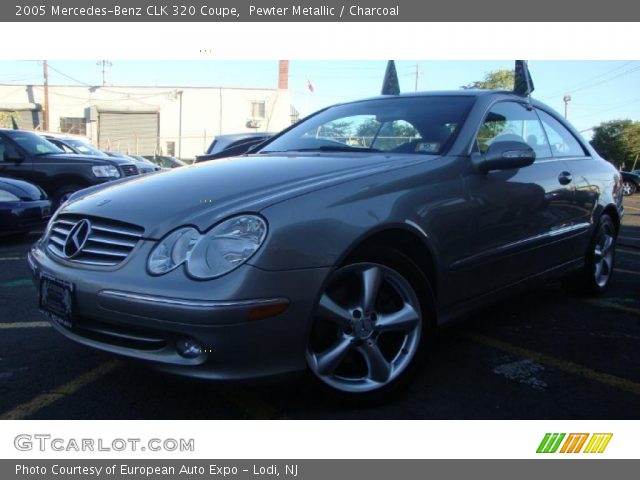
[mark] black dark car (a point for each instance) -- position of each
(165, 161)
(23, 207)
(230, 145)
(630, 183)
(28, 156)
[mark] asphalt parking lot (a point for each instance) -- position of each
(546, 354)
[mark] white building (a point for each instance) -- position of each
(172, 120)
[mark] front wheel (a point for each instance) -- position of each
(369, 326)
(63, 194)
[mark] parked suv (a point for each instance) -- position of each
(28, 156)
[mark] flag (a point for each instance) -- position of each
(310, 86)
(522, 83)
(14, 124)
(390, 85)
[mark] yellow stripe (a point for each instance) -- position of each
(29, 408)
(607, 439)
(8, 326)
(564, 365)
(599, 439)
(623, 308)
(587, 449)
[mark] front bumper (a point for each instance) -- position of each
(128, 312)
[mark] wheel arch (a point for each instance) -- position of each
(404, 237)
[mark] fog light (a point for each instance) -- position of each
(188, 348)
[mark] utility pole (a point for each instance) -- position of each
(566, 99)
(417, 75)
(104, 64)
(45, 117)
(180, 92)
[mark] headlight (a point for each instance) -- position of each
(222, 249)
(105, 171)
(8, 197)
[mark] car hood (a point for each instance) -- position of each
(203, 194)
(23, 190)
(94, 159)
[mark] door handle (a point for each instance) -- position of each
(565, 178)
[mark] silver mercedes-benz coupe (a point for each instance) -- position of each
(339, 246)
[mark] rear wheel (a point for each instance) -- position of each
(628, 188)
(370, 326)
(595, 277)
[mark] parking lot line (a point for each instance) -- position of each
(631, 208)
(7, 326)
(554, 362)
(11, 259)
(41, 401)
(606, 304)
(627, 251)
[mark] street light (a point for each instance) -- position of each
(567, 99)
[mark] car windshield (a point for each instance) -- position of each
(84, 147)
(418, 125)
(32, 143)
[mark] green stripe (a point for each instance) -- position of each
(17, 283)
(543, 443)
(558, 442)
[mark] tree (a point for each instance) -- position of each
(617, 141)
(5, 120)
(494, 80)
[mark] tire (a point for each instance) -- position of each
(371, 327)
(594, 278)
(628, 188)
(62, 194)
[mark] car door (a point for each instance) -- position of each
(585, 173)
(13, 162)
(517, 213)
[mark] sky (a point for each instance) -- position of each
(599, 90)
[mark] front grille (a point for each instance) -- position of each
(129, 170)
(108, 244)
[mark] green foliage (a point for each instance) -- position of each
(617, 141)
(495, 80)
(5, 120)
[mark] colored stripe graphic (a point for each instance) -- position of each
(550, 442)
(574, 442)
(598, 442)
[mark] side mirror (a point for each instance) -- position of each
(504, 155)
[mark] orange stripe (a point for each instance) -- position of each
(566, 443)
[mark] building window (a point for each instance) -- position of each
(257, 109)
(73, 125)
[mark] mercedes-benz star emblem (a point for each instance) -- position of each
(76, 238)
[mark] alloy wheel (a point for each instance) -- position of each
(603, 254)
(367, 328)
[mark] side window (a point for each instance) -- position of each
(563, 143)
(7, 150)
(511, 121)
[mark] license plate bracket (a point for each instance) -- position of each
(56, 300)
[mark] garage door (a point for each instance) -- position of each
(135, 133)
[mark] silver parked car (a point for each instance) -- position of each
(339, 246)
